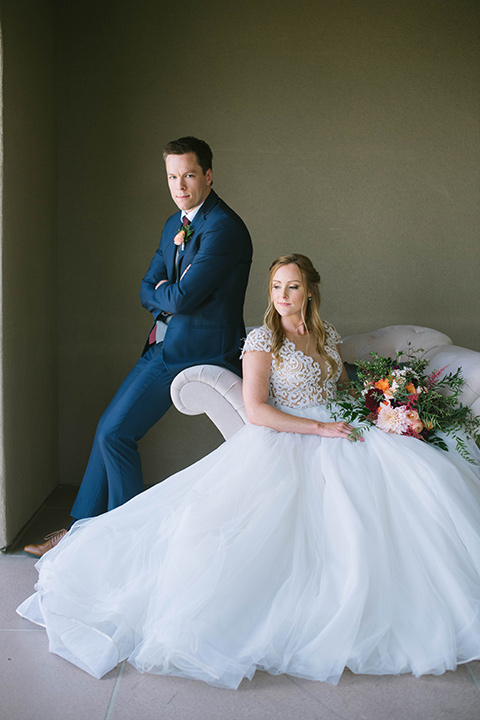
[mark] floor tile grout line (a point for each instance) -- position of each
(473, 678)
(315, 697)
(111, 704)
(22, 630)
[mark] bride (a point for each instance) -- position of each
(288, 549)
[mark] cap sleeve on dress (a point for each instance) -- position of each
(332, 336)
(258, 339)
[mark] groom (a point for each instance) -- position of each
(195, 289)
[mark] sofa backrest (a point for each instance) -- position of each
(436, 347)
(389, 340)
(451, 357)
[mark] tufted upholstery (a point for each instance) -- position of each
(452, 357)
(217, 392)
(389, 340)
(212, 390)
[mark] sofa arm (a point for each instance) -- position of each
(212, 390)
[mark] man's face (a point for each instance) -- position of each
(188, 185)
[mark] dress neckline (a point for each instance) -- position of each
(297, 350)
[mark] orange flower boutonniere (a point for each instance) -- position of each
(183, 235)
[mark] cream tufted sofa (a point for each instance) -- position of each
(217, 392)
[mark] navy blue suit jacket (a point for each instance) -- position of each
(207, 303)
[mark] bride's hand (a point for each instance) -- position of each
(335, 429)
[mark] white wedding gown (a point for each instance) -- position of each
(278, 551)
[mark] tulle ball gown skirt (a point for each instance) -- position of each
(281, 552)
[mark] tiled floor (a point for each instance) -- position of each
(35, 685)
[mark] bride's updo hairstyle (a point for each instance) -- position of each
(310, 310)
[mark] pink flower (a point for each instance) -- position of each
(393, 420)
(433, 377)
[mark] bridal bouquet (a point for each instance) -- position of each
(396, 395)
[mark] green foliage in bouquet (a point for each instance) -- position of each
(396, 395)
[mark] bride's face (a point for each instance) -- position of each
(288, 291)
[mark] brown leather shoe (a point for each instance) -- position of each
(51, 540)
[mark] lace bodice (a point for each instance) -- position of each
(298, 380)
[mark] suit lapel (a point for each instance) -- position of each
(202, 214)
(197, 224)
(171, 248)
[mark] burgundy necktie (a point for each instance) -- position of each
(153, 335)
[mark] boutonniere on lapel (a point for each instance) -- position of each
(183, 235)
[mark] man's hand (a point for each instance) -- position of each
(183, 275)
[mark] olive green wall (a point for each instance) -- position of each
(342, 129)
(345, 130)
(29, 273)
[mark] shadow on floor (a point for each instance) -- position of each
(53, 515)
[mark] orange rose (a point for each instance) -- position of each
(382, 385)
(179, 237)
(417, 426)
(410, 388)
(428, 424)
(415, 422)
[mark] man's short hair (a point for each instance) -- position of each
(191, 144)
